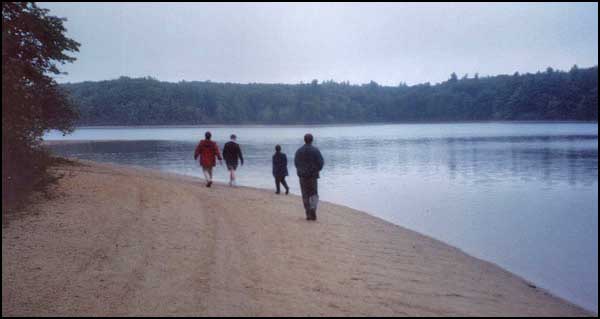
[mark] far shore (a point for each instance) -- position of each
(68, 142)
(116, 240)
(327, 124)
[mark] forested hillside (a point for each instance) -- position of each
(548, 95)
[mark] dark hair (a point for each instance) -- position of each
(308, 138)
(207, 135)
(233, 137)
(277, 148)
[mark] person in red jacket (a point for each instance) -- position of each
(207, 150)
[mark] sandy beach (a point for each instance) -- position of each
(123, 241)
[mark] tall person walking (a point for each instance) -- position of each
(309, 162)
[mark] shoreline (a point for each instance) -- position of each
(256, 256)
(254, 125)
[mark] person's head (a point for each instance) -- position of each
(277, 148)
(233, 137)
(308, 138)
(207, 135)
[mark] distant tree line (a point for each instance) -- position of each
(549, 95)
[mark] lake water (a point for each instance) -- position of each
(521, 195)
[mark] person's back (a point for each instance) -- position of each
(207, 150)
(232, 152)
(280, 165)
(308, 161)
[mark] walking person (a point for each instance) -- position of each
(207, 150)
(280, 170)
(231, 153)
(309, 162)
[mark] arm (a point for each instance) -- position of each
(217, 152)
(225, 151)
(320, 160)
(296, 159)
(240, 154)
(197, 151)
(284, 160)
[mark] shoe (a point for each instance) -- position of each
(287, 191)
(277, 193)
(208, 184)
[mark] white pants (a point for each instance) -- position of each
(207, 173)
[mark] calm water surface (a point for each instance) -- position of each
(521, 195)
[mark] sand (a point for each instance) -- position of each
(124, 241)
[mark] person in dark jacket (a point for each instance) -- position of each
(207, 150)
(231, 153)
(280, 170)
(309, 162)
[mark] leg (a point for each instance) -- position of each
(287, 188)
(277, 181)
(206, 175)
(231, 176)
(313, 198)
(210, 169)
(305, 189)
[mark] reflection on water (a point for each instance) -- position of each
(523, 196)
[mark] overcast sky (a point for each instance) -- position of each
(288, 43)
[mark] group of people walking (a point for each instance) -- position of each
(308, 161)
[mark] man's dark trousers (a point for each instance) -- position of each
(310, 196)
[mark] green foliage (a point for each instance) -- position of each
(552, 95)
(32, 102)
